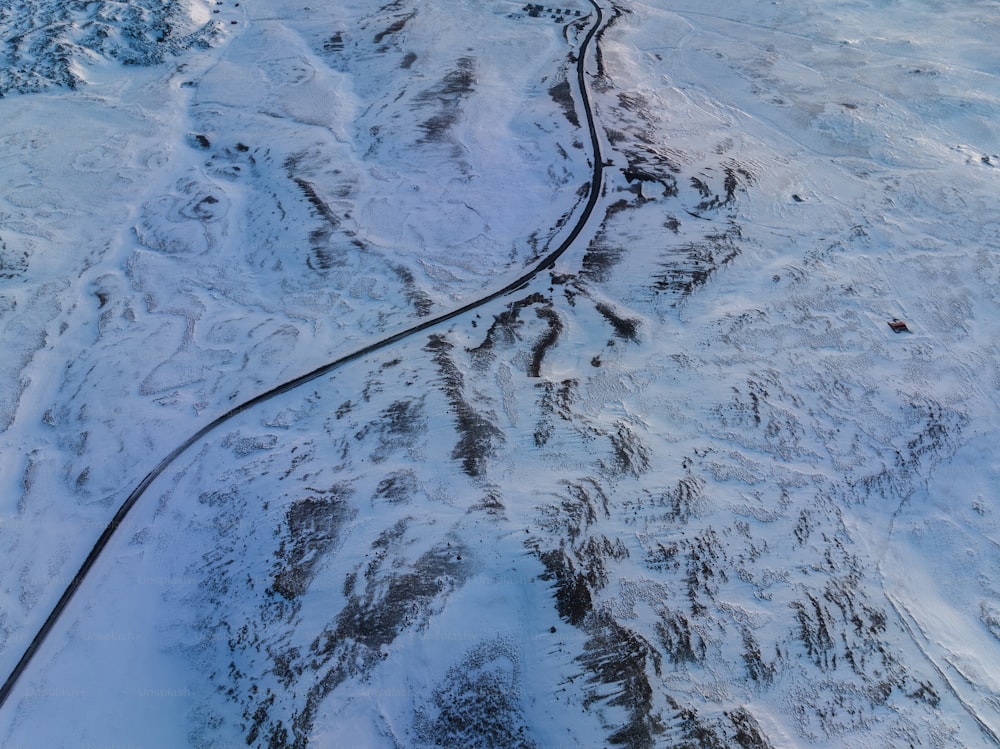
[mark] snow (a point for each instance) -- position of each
(685, 486)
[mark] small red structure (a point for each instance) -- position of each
(898, 326)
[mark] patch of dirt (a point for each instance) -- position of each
(682, 270)
(477, 705)
(478, 434)
(562, 95)
(447, 97)
(394, 28)
(313, 527)
(625, 328)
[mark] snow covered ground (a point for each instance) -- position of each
(687, 489)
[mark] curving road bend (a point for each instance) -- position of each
(544, 264)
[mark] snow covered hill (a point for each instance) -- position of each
(685, 489)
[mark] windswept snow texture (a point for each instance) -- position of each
(686, 489)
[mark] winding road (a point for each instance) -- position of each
(137, 493)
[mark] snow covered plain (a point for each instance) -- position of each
(686, 490)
